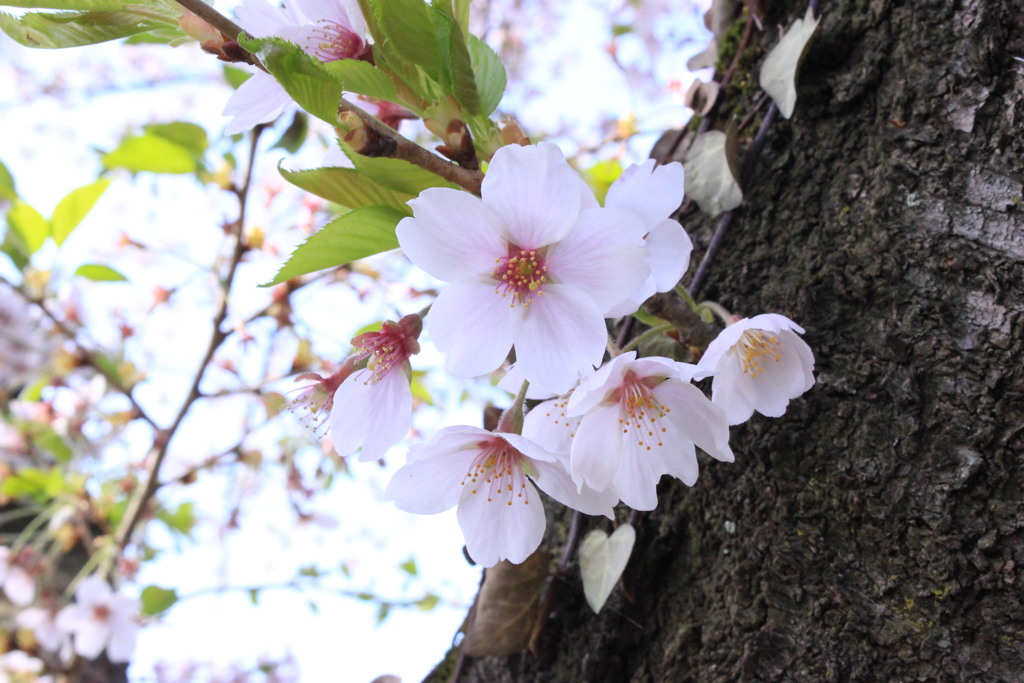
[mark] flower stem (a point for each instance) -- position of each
(636, 341)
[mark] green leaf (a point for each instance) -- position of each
(74, 207)
(347, 187)
(98, 273)
(181, 520)
(39, 485)
(34, 392)
(95, 5)
(457, 68)
(71, 29)
(156, 599)
(47, 439)
(361, 77)
(14, 251)
(28, 226)
(398, 174)
(355, 235)
(303, 77)
(235, 76)
(187, 135)
(152, 153)
(428, 602)
(491, 79)
(382, 611)
(410, 33)
(293, 137)
(409, 567)
(7, 190)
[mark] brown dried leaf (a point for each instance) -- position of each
(506, 608)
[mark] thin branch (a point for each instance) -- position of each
(138, 503)
(400, 147)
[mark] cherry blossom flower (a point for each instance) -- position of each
(17, 666)
(488, 475)
(16, 581)
(641, 419)
(43, 624)
(527, 267)
(372, 408)
(313, 402)
(759, 364)
(653, 193)
(326, 29)
(24, 346)
(101, 619)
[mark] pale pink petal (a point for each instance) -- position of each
(722, 344)
(90, 639)
(597, 387)
(261, 19)
(668, 247)
(597, 448)
(19, 586)
(697, 418)
(371, 415)
(73, 617)
(636, 481)
(496, 530)
(562, 337)
(330, 10)
(680, 461)
(764, 393)
(474, 326)
(93, 590)
(453, 236)
(260, 99)
(433, 479)
(535, 192)
(727, 392)
(603, 256)
(527, 447)
(123, 634)
(651, 195)
(554, 480)
(548, 425)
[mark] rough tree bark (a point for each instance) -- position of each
(874, 532)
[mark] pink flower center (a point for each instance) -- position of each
(497, 472)
(521, 275)
(101, 612)
(390, 347)
(335, 41)
(640, 413)
(754, 347)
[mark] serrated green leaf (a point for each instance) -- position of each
(156, 599)
(188, 135)
(84, 5)
(235, 76)
(70, 210)
(72, 29)
(491, 78)
(410, 33)
(357, 76)
(398, 174)
(7, 189)
(151, 153)
(304, 78)
(99, 273)
(347, 187)
(355, 235)
(29, 229)
(457, 76)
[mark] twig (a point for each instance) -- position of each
(227, 27)
(400, 147)
(137, 505)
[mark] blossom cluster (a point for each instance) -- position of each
(99, 620)
(534, 267)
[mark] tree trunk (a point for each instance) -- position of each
(873, 532)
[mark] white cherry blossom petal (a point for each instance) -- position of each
(603, 257)
(535, 192)
(496, 530)
(454, 236)
(652, 192)
(472, 328)
(371, 415)
(563, 337)
(597, 448)
(260, 99)
(553, 479)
